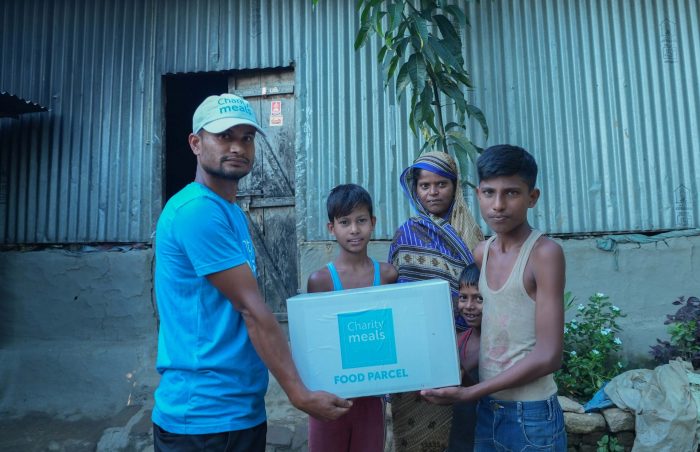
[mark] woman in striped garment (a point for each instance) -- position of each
(435, 243)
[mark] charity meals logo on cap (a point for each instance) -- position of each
(218, 113)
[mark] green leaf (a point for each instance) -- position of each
(476, 113)
(392, 67)
(463, 160)
(412, 122)
(457, 12)
(417, 72)
(452, 91)
(361, 38)
(427, 7)
(449, 33)
(453, 125)
(395, 12)
(427, 113)
(378, 22)
(403, 79)
(364, 15)
(401, 46)
(420, 30)
(382, 54)
(464, 78)
(465, 144)
(447, 56)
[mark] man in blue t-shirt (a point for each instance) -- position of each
(217, 336)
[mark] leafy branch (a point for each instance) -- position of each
(422, 48)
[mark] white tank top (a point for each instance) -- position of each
(508, 328)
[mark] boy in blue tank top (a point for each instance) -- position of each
(351, 221)
(522, 284)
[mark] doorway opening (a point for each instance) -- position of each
(267, 195)
(183, 93)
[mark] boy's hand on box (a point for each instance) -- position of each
(324, 405)
(446, 396)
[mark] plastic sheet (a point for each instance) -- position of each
(664, 403)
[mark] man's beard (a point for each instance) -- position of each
(221, 172)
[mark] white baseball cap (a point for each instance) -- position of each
(218, 113)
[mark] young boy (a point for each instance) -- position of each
(522, 282)
(351, 221)
(469, 307)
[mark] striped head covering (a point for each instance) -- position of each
(460, 218)
(427, 246)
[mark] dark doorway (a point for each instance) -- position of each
(183, 93)
(267, 195)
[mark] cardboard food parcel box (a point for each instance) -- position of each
(375, 340)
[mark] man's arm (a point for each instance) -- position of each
(239, 285)
(545, 358)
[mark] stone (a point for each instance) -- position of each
(279, 436)
(619, 420)
(625, 439)
(587, 448)
(570, 405)
(301, 434)
(592, 439)
(584, 423)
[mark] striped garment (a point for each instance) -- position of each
(426, 246)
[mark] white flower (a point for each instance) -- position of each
(605, 331)
(573, 353)
(581, 307)
(618, 341)
(573, 326)
(566, 330)
(600, 295)
(595, 352)
(619, 364)
(615, 308)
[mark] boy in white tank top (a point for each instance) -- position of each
(522, 283)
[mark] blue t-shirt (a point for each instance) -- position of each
(212, 379)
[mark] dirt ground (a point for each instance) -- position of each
(130, 430)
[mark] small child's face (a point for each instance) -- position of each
(354, 230)
(504, 201)
(470, 305)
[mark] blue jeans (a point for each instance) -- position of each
(508, 426)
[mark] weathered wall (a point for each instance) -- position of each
(642, 279)
(77, 332)
(78, 329)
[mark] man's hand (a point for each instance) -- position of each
(323, 405)
(447, 396)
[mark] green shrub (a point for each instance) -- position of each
(684, 329)
(591, 346)
(609, 444)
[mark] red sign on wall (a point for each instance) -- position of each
(276, 108)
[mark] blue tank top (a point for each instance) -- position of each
(337, 285)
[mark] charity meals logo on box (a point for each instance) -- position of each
(367, 338)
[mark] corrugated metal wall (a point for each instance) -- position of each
(90, 169)
(604, 93)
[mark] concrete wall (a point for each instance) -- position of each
(77, 332)
(78, 329)
(642, 279)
